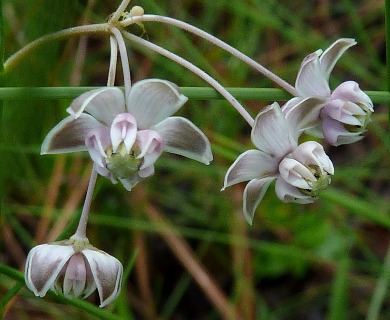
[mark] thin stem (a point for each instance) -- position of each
(82, 227)
(113, 61)
(215, 84)
(124, 59)
(387, 19)
(238, 54)
(118, 13)
(103, 28)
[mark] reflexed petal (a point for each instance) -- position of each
(336, 134)
(75, 276)
(253, 194)
(303, 114)
(350, 91)
(69, 135)
(97, 142)
(107, 272)
(311, 80)
(103, 104)
(146, 172)
(331, 55)
(272, 133)
(43, 265)
(295, 173)
(123, 129)
(182, 137)
(153, 100)
(252, 164)
(288, 193)
(151, 145)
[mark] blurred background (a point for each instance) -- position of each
(176, 229)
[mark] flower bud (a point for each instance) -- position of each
(74, 268)
(304, 173)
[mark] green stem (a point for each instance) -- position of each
(387, 19)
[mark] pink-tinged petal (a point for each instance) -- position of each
(69, 135)
(146, 172)
(272, 133)
(153, 100)
(151, 145)
(331, 55)
(103, 104)
(295, 173)
(107, 272)
(252, 164)
(288, 193)
(303, 114)
(344, 111)
(43, 265)
(123, 129)
(75, 278)
(350, 91)
(311, 80)
(182, 137)
(336, 134)
(253, 194)
(97, 142)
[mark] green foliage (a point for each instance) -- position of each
(327, 260)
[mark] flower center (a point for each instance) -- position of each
(321, 183)
(121, 163)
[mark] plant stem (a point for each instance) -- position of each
(118, 13)
(113, 61)
(124, 60)
(387, 20)
(82, 227)
(215, 84)
(103, 28)
(223, 45)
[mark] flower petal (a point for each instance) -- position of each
(75, 276)
(253, 194)
(252, 164)
(43, 265)
(123, 129)
(272, 133)
(153, 100)
(151, 145)
(350, 91)
(103, 104)
(303, 114)
(311, 80)
(331, 55)
(288, 193)
(182, 137)
(336, 134)
(295, 173)
(107, 272)
(69, 135)
(97, 142)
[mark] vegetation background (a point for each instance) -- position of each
(186, 249)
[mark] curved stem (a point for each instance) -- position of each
(103, 28)
(113, 61)
(118, 13)
(215, 84)
(82, 226)
(124, 59)
(223, 45)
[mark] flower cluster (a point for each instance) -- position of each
(126, 131)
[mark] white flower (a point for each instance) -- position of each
(74, 268)
(126, 135)
(340, 116)
(301, 171)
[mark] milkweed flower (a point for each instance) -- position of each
(74, 268)
(340, 116)
(125, 135)
(301, 171)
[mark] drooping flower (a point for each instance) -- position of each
(74, 268)
(126, 135)
(301, 171)
(340, 116)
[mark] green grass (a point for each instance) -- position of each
(328, 260)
